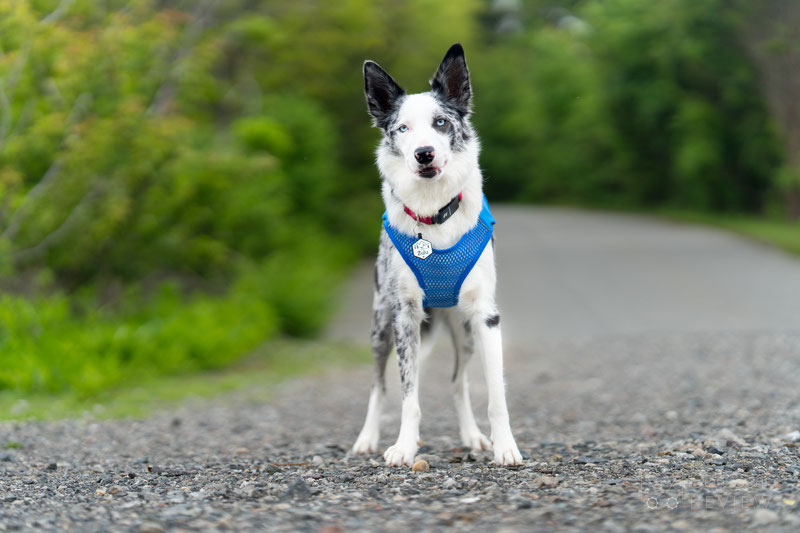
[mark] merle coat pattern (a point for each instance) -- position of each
(428, 155)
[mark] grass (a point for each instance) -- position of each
(782, 234)
(255, 376)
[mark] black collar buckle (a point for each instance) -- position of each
(447, 211)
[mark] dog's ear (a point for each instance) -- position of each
(382, 93)
(451, 80)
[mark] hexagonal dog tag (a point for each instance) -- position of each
(422, 249)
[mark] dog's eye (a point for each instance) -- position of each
(403, 128)
(441, 121)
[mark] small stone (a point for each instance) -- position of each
(764, 517)
(150, 527)
(792, 436)
(737, 483)
(449, 483)
(100, 492)
(731, 438)
(241, 451)
(52, 467)
(297, 489)
(250, 491)
(421, 466)
(317, 461)
(701, 453)
(6, 457)
(270, 469)
(545, 481)
(671, 415)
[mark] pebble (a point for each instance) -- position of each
(270, 469)
(151, 527)
(317, 461)
(792, 436)
(764, 517)
(545, 481)
(738, 483)
(421, 466)
(731, 438)
(297, 489)
(701, 453)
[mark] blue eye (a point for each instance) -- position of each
(403, 128)
(441, 122)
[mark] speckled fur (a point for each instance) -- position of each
(438, 119)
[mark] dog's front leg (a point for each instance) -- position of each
(490, 345)
(407, 321)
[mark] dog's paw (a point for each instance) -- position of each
(506, 453)
(475, 440)
(399, 455)
(366, 444)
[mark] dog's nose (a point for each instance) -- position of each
(424, 154)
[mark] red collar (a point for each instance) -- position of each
(442, 215)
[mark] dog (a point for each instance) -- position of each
(435, 266)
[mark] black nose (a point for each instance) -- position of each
(424, 154)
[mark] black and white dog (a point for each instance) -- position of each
(432, 189)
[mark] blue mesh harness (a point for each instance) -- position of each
(441, 274)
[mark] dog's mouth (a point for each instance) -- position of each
(428, 172)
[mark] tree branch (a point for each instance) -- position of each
(51, 239)
(56, 14)
(201, 18)
(79, 109)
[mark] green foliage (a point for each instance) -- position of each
(46, 346)
(627, 102)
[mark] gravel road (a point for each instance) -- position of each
(652, 374)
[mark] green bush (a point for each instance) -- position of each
(627, 102)
(45, 346)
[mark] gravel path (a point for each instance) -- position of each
(653, 378)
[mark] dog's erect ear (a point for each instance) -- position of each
(382, 93)
(451, 80)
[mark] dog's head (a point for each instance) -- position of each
(425, 134)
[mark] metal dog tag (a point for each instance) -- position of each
(422, 248)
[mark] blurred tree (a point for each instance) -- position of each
(625, 102)
(771, 29)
